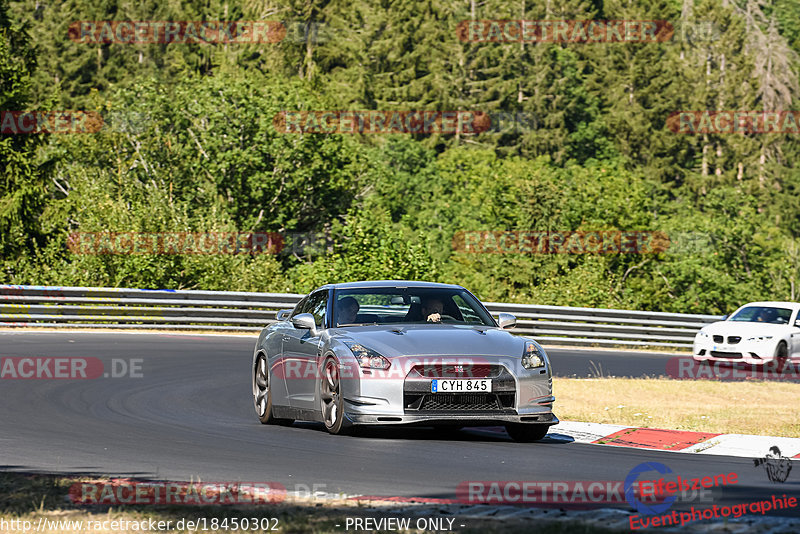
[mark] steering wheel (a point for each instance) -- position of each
(442, 318)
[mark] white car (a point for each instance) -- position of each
(757, 333)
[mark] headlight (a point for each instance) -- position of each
(702, 334)
(367, 358)
(759, 338)
(532, 357)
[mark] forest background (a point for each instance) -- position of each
(579, 142)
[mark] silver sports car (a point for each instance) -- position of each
(396, 352)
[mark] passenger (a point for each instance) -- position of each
(346, 311)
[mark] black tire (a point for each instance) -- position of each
(331, 402)
(526, 433)
(781, 356)
(262, 394)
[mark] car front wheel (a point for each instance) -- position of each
(781, 355)
(331, 401)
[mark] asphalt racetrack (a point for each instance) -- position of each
(187, 414)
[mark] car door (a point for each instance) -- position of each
(300, 349)
(274, 345)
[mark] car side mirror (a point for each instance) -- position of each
(725, 317)
(304, 321)
(282, 315)
(506, 320)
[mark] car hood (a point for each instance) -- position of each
(435, 340)
(744, 329)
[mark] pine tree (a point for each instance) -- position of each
(22, 184)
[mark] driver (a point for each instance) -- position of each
(771, 315)
(347, 309)
(432, 309)
(768, 315)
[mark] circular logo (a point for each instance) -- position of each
(630, 487)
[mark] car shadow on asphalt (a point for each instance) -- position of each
(494, 434)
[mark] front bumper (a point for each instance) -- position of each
(515, 397)
(748, 352)
(462, 419)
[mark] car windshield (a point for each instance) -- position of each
(763, 314)
(408, 305)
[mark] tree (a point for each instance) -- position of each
(22, 185)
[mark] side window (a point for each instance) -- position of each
(467, 313)
(317, 305)
(300, 308)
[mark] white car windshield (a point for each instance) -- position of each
(763, 314)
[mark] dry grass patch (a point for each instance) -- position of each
(41, 500)
(762, 408)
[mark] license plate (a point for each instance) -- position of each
(460, 385)
(723, 348)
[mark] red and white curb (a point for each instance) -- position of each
(740, 445)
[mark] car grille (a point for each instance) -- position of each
(466, 370)
(733, 340)
(460, 402)
(729, 355)
(719, 339)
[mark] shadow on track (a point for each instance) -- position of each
(492, 434)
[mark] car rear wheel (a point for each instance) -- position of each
(262, 394)
(526, 433)
(331, 398)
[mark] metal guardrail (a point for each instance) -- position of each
(92, 307)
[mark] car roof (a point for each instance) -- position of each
(388, 283)
(782, 304)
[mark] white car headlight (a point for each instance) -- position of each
(532, 356)
(702, 334)
(759, 338)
